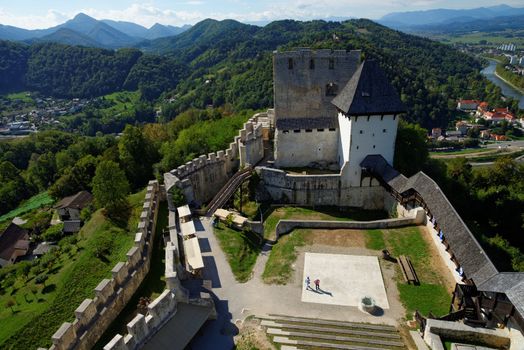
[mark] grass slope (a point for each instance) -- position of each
(32, 203)
(241, 249)
(72, 278)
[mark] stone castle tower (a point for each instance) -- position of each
(332, 111)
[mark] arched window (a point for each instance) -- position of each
(311, 64)
(290, 63)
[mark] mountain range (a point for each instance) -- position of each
(414, 19)
(87, 31)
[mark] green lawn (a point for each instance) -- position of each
(152, 286)
(241, 249)
(431, 294)
(32, 203)
(463, 151)
(278, 267)
(275, 214)
(22, 96)
(72, 272)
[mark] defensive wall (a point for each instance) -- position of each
(93, 316)
(201, 178)
(166, 306)
(414, 217)
(327, 189)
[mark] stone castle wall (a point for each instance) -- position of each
(93, 316)
(201, 178)
(328, 189)
(301, 78)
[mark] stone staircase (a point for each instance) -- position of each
(228, 190)
(306, 333)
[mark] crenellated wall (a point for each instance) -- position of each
(327, 189)
(201, 178)
(93, 316)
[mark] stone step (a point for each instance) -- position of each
(332, 338)
(276, 324)
(286, 319)
(320, 345)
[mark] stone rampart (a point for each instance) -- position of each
(326, 189)
(93, 316)
(201, 178)
(436, 329)
(416, 217)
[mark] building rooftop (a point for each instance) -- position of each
(473, 259)
(78, 201)
(14, 237)
(369, 92)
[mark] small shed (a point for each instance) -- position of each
(184, 213)
(14, 243)
(69, 208)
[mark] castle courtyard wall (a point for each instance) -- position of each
(313, 190)
(300, 147)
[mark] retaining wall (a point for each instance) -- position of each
(201, 178)
(93, 316)
(436, 329)
(327, 189)
(414, 217)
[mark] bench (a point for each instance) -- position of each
(410, 276)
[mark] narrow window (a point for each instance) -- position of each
(331, 89)
(296, 131)
(309, 130)
(373, 146)
(290, 63)
(332, 129)
(320, 130)
(331, 63)
(361, 131)
(311, 64)
(357, 147)
(384, 130)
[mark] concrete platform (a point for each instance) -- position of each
(344, 279)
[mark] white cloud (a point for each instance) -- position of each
(49, 19)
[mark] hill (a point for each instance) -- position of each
(231, 63)
(404, 20)
(228, 62)
(86, 31)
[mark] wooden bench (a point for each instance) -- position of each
(410, 276)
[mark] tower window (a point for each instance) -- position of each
(290, 63)
(373, 146)
(320, 130)
(331, 63)
(383, 130)
(296, 131)
(309, 130)
(361, 131)
(332, 129)
(311, 64)
(357, 147)
(331, 89)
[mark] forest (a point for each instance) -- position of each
(227, 62)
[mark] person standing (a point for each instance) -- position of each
(317, 284)
(308, 282)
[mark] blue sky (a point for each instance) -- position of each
(46, 13)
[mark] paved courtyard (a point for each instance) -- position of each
(344, 279)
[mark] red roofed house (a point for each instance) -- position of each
(468, 105)
(14, 243)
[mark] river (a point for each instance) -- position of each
(507, 90)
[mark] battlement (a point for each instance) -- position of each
(93, 316)
(201, 177)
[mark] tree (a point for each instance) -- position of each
(411, 153)
(110, 187)
(136, 155)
